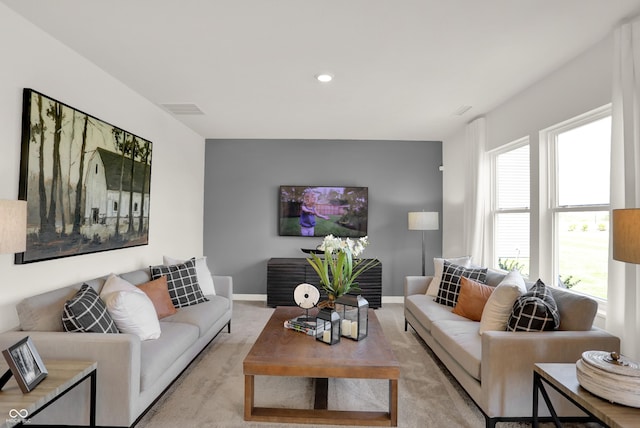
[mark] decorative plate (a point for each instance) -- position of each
(306, 296)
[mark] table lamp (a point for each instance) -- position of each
(423, 221)
(626, 235)
(13, 226)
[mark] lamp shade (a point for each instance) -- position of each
(13, 226)
(423, 220)
(626, 235)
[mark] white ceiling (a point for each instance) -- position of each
(402, 67)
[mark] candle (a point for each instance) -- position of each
(354, 330)
(346, 328)
(326, 336)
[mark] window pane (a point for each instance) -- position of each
(512, 178)
(512, 241)
(583, 164)
(583, 249)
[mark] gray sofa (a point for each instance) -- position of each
(131, 373)
(496, 368)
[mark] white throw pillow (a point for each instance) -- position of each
(497, 310)
(438, 266)
(205, 278)
(133, 313)
(131, 309)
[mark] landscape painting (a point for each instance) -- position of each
(86, 182)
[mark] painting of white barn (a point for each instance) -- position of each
(107, 196)
(86, 182)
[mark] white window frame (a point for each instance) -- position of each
(549, 140)
(521, 142)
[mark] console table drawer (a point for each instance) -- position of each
(284, 274)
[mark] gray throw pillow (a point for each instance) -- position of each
(450, 283)
(535, 310)
(182, 281)
(86, 313)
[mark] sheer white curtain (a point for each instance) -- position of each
(476, 192)
(623, 295)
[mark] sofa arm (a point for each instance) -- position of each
(508, 359)
(223, 286)
(118, 371)
(416, 284)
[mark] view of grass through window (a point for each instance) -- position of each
(583, 241)
(582, 206)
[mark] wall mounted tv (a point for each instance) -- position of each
(323, 210)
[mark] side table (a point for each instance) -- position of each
(16, 407)
(562, 378)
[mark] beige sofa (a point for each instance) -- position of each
(131, 373)
(496, 368)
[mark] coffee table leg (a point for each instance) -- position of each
(393, 402)
(248, 396)
(322, 393)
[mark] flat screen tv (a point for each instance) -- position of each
(323, 210)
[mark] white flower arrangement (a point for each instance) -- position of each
(340, 266)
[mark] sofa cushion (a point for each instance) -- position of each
(450, 284)
(438, 266)
(462, 341)
(472, 299)
(205, 278)
(130, 308)
(497, 310)
(158, 292)
(182, 281)
(577, 311)
(86, 312)
(426, 310)
(43, 312)
(157, 356)
(203, 315)
(535, 310)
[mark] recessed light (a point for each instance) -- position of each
(324, 77)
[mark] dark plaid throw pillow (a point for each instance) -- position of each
(86, 313)
(450, 283)
(535, 310)
(182, 281)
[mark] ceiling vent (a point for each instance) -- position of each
(462, 110)
(183, 109)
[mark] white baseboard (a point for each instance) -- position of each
(251, 297)
(263, 298)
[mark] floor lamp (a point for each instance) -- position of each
(13, 226)
(423, 221)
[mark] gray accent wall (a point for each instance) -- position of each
(242, 178)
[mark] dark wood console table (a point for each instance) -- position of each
(284, 274)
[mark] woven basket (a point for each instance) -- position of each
(617, 382)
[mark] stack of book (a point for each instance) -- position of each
(303, 325)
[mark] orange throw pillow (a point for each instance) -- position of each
(472, 298)
(158, 292)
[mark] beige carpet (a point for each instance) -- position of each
(210, 392)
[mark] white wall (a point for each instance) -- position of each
(581, 85)
(33, 59)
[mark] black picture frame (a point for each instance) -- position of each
(25, 364)
(87, 183)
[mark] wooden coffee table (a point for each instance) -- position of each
(283, 352)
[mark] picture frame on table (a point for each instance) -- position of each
(25, 364)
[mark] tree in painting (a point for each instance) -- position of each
(86, 182)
